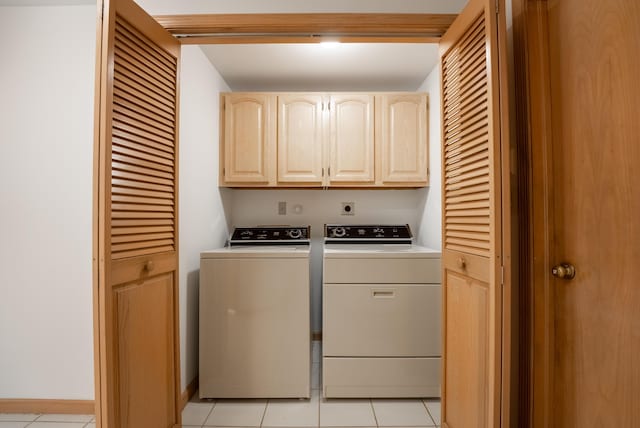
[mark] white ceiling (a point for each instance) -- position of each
(320, 67)
(308, 67)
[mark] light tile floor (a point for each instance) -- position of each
(274, 413)
(312, 413)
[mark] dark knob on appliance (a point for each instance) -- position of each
(339, 232)
(295, 233)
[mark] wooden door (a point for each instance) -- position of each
(473, 202)
(135, 233)
(300, 139)
(249, 139)
(585, 142)
(404, 140)
(352, 139)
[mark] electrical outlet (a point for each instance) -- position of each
(282, 208)
(348, 208)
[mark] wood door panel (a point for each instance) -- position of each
(144, 316)
(474, 125)
(136, 222)
(467, 337)
(595, 100)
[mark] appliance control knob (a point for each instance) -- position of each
(339, 232)
(295, 233)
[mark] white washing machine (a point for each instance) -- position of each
(381, 334)
(255, 339)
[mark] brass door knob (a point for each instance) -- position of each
(564, 271)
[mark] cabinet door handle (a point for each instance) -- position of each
(384, 293)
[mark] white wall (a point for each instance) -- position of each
(46, 164)
(430, 230)
(203, 223)
(252, 207)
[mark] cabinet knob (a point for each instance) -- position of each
(462, 263)
(148, 266)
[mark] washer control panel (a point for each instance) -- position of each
(271, 235)
(367, 233)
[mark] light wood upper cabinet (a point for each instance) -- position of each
(249, 139)
(321, 139)
(402, 125)
(352, 144)
(300, 139)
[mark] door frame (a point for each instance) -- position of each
(535, 207)
(392, 33)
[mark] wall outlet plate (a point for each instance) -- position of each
(348, 208)
(282, 208)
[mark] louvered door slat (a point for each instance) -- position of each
(126, 40)
(152, 88)
(143, 152)
(141, 177)
(137, 90)
(118, 190)
(121, 184)
(124, 225)
(132, 112)
(140, 215)
(466, 147)
(146, 79)
(142, 230)
(152, 51)
(143, 110)
(466, 198)
(133, 142)
(142, 200)
(144, 70)
(132, 132)
(141, 170)
(142, 155)
(466, 80)
(137, 161)
(124, 97)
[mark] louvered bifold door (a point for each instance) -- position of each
(471, 219)
(138, 383)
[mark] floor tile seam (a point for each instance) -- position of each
(264, 412)
(373, 409)
(210, 411)
(433, 420)
(320, 397)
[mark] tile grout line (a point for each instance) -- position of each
(429, 413)
(209, 414)
(264, 412)
(373, 409)
(319, 404)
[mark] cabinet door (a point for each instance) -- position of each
(249, 139)
(300, 139)
(403, 122)
(352, 139)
